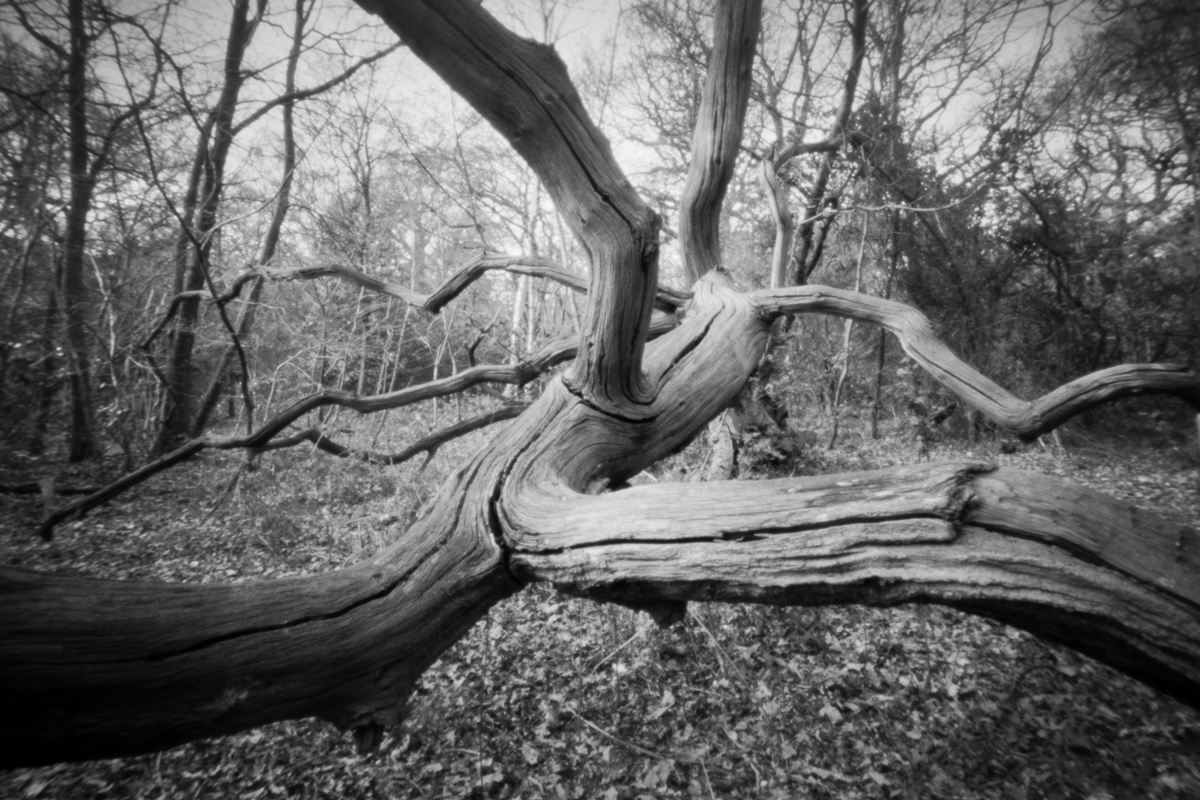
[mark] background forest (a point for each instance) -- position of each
(1027, 176)
(209, 213)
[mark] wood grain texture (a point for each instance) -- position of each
(96, 668)
(1069, 564)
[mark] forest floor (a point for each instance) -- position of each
(556, 697)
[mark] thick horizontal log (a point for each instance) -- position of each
(1027, 419)
(1064, 562)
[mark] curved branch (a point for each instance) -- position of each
(1026, 419)
(455, 285)
(105, 668)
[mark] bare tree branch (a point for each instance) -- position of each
(427, 444)
(810, 240)
(666, 298)
(551, 355)
(1026, 419)
(293, 95)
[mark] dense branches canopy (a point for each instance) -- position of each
(361, 259)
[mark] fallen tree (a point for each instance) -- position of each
(98, 668)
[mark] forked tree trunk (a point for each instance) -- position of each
(270, 244)
(101, 668)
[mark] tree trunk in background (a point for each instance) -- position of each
(82, 443)
(212, 151)
(49, 382)
(270, 244)
(893, 260)
(223, 371)
(810, 236)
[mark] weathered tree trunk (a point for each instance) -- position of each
(99, 668)
(108, 668)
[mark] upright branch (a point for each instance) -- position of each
(522, 88)
(718, 133)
